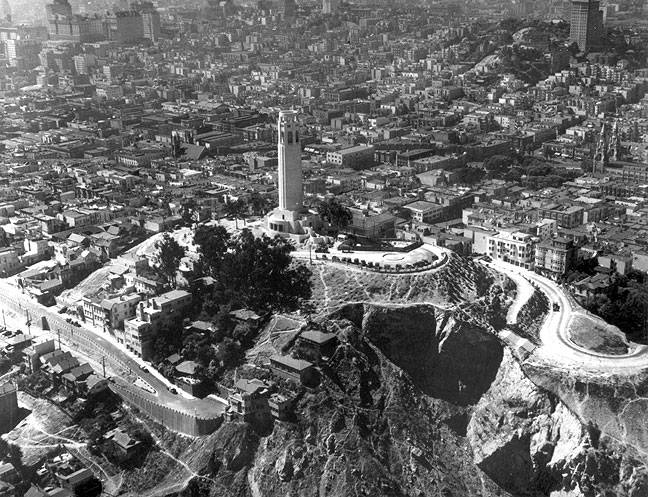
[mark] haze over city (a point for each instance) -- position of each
(337, 248)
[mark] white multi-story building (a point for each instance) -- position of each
(425, 212)
(150, 316)
(516, 248)
(359, 156)
(110, 314)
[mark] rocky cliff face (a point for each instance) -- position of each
(415, 402)
(390, 416)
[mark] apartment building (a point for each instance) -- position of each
(357, 157)
(566, 216)
(150, 317)
(425, 212)
(554, 257)
(112, 312)
(516, 248)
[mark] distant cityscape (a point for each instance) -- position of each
(232, 231)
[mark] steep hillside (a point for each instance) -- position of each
(459, 280)
(385, 420)
(417, 402)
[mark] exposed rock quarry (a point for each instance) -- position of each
(415, 402)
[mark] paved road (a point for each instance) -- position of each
(556, 346)
(93, 345)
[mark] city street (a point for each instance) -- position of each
(85, 342)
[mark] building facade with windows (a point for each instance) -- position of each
(150, 317)
(554, 257)
(516, 248)
(586, 24)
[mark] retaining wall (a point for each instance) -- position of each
(195, 421)
(173, 419)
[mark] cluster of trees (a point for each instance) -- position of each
(529, 171)
(335, 214)
(469, 175)
(250, 272)
(234, 271)
(255, 204)
(625, 305)
(11, 453)
(168, 255)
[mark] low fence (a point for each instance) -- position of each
(413, 245)
(384, 267)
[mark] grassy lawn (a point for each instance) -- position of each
(597, 336)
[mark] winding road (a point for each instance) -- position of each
(556, 345)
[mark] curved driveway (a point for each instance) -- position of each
(556, 346)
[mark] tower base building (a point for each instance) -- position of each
(298, 224)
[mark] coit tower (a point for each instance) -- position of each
(290, 167)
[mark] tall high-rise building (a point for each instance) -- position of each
(586, 24)
(287, 9)
(63, 25)
(60, 8)
(23, 54)
(290, 217)
(150, 20)
(330, 6)
(219, 9)
(125, 26)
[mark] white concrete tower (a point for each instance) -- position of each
(290, 167)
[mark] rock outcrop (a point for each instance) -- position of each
(530, 442)
(416, 402)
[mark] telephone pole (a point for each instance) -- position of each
(28, 322)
